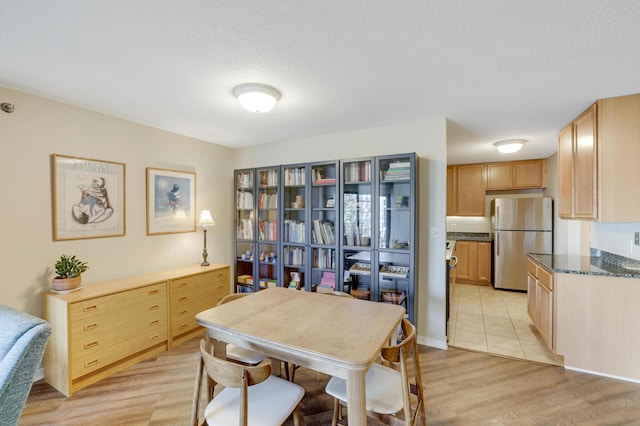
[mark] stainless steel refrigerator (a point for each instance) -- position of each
(520, 226)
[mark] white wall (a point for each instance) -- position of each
(39, 128)
(428, 140)
(616, 238)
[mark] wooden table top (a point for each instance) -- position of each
(344, 330)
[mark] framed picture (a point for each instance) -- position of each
(171, 201)
(331, 202)
(88, 198)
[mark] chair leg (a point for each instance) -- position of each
(296, 416)
(336, 408)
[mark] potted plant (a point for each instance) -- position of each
(68, 273)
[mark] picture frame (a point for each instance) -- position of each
(88, 198)
(331, 202)
(171, 201)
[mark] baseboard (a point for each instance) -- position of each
(434, 343)
(597, 373)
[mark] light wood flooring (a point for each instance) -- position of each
(462, 388)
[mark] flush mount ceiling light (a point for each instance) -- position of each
(257, 97)
(509, 146)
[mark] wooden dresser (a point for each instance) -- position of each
(108, 326)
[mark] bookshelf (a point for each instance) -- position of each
(347, 225)
(324, 224)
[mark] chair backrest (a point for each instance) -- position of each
(231, 297)
(399, 354)
(22, 341)
(229, 375)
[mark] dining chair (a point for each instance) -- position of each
(250, 394)
(237, 353)
(389, 391)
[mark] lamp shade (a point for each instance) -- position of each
(257, 97)
(509, 146)
(205, 218)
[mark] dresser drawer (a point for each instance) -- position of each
(112, 302)
(102, 358)
(88, 342)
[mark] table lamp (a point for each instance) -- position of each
(205, 220)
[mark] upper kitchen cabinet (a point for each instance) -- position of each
(466, 190)
(517, 175)
(597, 175)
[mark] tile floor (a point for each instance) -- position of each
(495, 321)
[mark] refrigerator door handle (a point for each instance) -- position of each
(497, 217)
(497, 244)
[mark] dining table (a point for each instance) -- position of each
(338, 336)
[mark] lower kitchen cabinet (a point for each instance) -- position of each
(540, 301)
(108, 326)
(474, 262)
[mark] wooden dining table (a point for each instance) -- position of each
(338, 336)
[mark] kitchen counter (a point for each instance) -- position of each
(586, 265)
(469, 236)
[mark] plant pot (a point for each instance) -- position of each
(62, 284)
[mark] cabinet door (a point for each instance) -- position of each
(452, 206)
(470, 190)
(500, 176)
(585, 162)
(484, 262)
(544, 299)
(529, 174)
(565, 172)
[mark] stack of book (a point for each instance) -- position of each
(294, 176)
(268, 230)
(322, 232)
(320, 178)
(327, 282)
(293, 231)
(398, 171)
(267, 201)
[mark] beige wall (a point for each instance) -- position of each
(427, 139)
(39, 128)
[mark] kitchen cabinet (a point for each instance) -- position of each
(517, 175)
(474, 262)
(540, 301)
(466, 190)
(597, 152)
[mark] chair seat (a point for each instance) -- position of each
(247, 356)
(383, 389)
(270, 403)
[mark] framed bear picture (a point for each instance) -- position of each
(88, 198)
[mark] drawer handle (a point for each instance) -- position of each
(91, 345)
(183, 326)
(152, 292)
(154, 307)
(90, 363)
(90, 308)
(154, 337)
(220, 275)
(183, 312)
(154, 322)
(182, 285)
(183, 299)
(90, 326)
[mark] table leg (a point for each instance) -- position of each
(356, 398)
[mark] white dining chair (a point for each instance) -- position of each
(388, 391)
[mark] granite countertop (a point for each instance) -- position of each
(469, 236)
(587, 265)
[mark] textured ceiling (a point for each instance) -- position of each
(495, 69)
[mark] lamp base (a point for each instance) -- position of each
(204, 257)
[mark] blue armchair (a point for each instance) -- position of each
(22, 341)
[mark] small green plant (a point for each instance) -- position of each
(69, 267)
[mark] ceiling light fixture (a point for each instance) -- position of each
(509, 146)
(257, 97)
